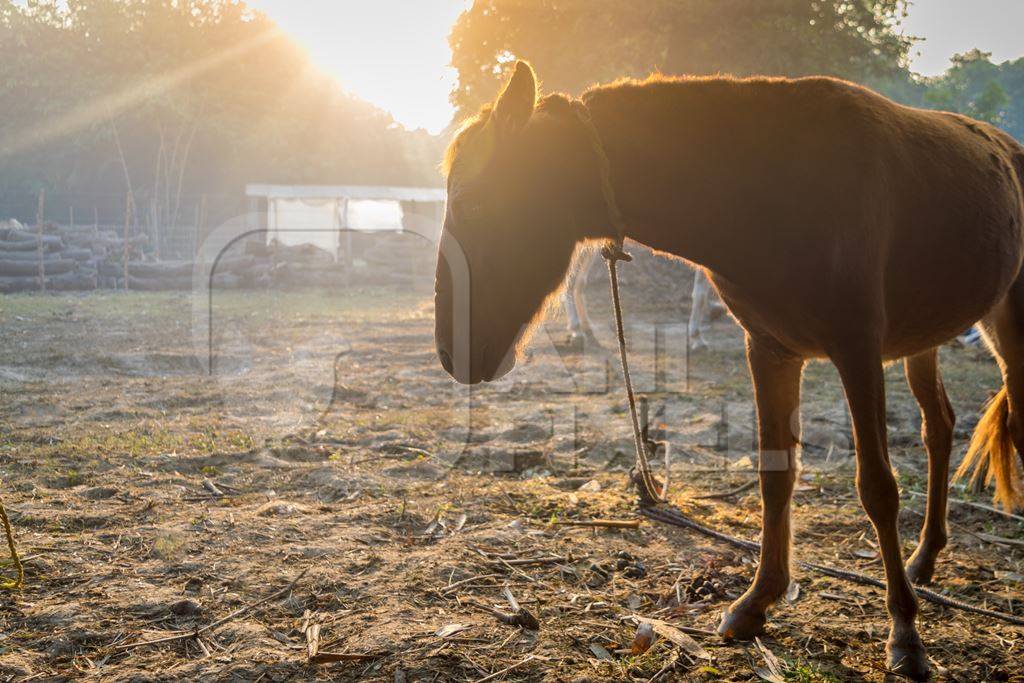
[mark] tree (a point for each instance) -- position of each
(974, 86)
(171, 98)
(990, 104)
(575, 43)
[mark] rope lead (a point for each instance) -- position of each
(11, 584)
(651, 492)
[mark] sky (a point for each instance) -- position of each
(394, 53)
(952, 26)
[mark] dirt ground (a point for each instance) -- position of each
(151, 497)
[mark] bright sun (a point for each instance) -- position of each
(393, 53)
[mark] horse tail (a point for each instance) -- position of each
(999, 435)
(991, 454)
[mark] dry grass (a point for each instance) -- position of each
(111, 435)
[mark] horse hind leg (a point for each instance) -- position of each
(937, 421)
(860, 368)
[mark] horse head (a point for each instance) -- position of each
(523, 194)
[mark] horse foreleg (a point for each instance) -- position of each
(776, 378)
(863, 380)
(937, 421)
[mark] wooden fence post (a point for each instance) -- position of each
(201, 228)
(127, 222)
(342, 214)
(154, 217)
(96, 221)
(40, 210)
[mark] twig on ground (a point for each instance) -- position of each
(512, 602)
(223, 620)
(691, 630)
(516, 570)
(380, 456)
(670, 515)
(970, 503)
(209, 498)
(999, 540)
(212, 488)
(312, 632)
(507, 669)
(520, 616)
(329, 657)
(728, 494)
(670, 665)
(19, 579)
(530, 561)
(983, 537)
(452, 586)
(606, 523)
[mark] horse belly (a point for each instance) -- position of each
(926, 298)
(939, 294)
(771, 314)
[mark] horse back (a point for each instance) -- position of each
(820, 208)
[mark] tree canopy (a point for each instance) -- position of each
(167, 98)
(975, 86)
(574, 43)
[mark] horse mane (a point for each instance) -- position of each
(466, 129)
(657, 78)
(552, 104)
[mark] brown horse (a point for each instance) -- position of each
(833, 222)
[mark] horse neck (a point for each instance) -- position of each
(658, 143)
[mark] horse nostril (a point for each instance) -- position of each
(446, 361)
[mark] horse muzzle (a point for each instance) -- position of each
(483, 367)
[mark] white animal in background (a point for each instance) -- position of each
(702, 310)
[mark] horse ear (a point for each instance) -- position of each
(516, 103)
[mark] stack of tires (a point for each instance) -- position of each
(30, 261)
(76, 258)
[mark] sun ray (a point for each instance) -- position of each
(108, 106)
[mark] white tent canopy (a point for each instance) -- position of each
(318, 214)
(373, 214)
(398, 194)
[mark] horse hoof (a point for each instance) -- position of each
(919, 572)
(741, 625)
(921, 566)
(909, 660)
